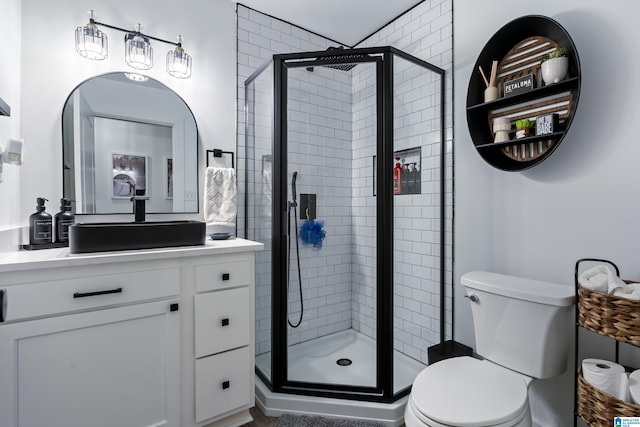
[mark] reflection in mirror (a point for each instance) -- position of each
(120, 135)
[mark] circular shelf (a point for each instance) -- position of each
(518, 47)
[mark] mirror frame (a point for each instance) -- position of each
(65, 167)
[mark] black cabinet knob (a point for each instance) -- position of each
(226, 385)
(225, 276)
(225, 321)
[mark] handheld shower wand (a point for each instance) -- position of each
(293, 188)
(293, 204)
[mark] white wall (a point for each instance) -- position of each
(9, 126)
(580, 202)
(51, 68)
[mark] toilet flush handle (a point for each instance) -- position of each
(473, 298)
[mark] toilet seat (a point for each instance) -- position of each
(467, 392)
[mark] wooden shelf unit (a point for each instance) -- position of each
(519, 46)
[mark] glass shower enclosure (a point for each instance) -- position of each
(344, 184)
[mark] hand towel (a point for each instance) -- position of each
(267, 185)
(220, 196)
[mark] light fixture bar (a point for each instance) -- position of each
(113, 27)
(92, 44)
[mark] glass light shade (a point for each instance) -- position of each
(91, 42)
(138, 53)
(179, 62)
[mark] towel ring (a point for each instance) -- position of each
(218, 153)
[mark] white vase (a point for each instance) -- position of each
(555, 70)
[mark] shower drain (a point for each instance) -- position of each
(344, 362)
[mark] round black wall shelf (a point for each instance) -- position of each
(519, 47)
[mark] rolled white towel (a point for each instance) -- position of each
(615, 282)
(630, 291)
(601, 278)
(595, 278)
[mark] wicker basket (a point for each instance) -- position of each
(609, 315)
(597, 408)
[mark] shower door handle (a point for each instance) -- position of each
(285, 220)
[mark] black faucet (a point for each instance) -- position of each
(138, 205)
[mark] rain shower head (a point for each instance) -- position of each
(329, 61)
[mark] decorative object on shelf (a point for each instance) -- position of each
(501, 128)
(547, 124)
(555, 66)
(491, 92)
(518, 85)
(524, 128)
(522, 44)
(92, 43)
(397, 177)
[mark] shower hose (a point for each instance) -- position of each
(295, 218)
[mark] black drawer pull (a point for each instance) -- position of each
(226, 385)
(226, 276)
(93, 294)
(225, 321)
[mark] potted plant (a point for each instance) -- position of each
(524, 128)
(555, 66)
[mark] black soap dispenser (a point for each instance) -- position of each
(40, 225)
(64, 219)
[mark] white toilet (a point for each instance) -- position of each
(522, 330)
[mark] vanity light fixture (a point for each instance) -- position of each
(92, 44)
(90, 41)
(138, 53)
(179, 62)
(12, 155)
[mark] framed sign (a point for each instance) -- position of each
(518, 85)
(129, 175)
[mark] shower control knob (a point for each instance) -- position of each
(473, 298)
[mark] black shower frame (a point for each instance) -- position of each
(382, 57)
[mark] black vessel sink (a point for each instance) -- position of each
(124, 236)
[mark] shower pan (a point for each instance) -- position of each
(360, 133)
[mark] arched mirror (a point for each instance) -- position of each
(120, 135)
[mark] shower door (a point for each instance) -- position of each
(328, 133)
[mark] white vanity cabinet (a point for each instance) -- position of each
(138, 339)
(99, 350)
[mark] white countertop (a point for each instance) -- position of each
(55, 258)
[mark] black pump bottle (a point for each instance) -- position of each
(40, 225)
(64, 219)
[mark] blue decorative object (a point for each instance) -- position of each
(311, 233)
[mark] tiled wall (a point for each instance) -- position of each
(339, 280)
(319, 138)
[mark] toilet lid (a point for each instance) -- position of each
(467, 392)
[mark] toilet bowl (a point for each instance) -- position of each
(467, 392)
(522, 329)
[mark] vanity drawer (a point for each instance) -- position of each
(84, 293)
(223, 383)
(238, 271)
(222, 320)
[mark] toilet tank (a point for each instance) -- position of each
(521, 324)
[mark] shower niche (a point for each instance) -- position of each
(331, 320)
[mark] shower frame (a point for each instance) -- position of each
(382, 57)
